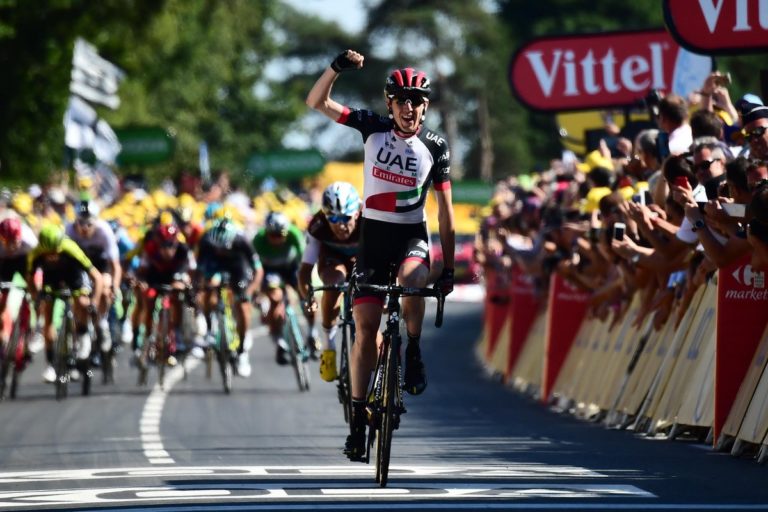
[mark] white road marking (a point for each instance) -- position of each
(149, 424)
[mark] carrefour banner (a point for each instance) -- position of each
(611, 69)
(742, 301)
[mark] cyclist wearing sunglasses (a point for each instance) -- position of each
(97, 240)
(333, 238)
(403, 160)
(280, 246)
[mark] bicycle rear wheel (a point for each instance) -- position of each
(8, 359)
(387, 417)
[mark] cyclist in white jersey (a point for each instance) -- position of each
(402, 160)
(97, 240)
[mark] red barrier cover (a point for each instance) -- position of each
(742, 302)
(566, 310)
(523, 309)
(496, 307)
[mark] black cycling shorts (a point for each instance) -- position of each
(383, 244)
(276, 277)
(76, 281)
(240, 276)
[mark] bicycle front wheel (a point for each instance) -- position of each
(9, 358)
(387, 417)
(61, 358)
(345, 383)
(298, 351)
(225, 367)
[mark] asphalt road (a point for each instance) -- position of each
(466, 444)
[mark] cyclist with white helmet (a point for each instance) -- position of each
(403, 160)
(333, 238)
(280, 246)
(64, 266)
(224, 249)
(97, 240)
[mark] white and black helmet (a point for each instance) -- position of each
(87, 210)
(276, 222)
(340, 198)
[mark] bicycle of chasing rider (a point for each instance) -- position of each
(66, 349)
(298, 349)
(223, 329)
(158, 348)
(14, 355)
(385, 398)
(347, 328)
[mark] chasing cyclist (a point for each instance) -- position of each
(333, 238)
(16, 241)
(279, 245)
(224, 249)
(64, 266)
(97, 240)
(402, 159)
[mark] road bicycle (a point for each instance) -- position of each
(385, 398)
(164, 341)
(66, 347)
(224, 332)
(14, 355)
(346, 325)
(297, 347)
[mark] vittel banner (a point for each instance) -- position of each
(718, 26)
(592, 71)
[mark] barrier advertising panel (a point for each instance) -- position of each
(523, 309)
(742, 301)
(567, 307)
(609, 69)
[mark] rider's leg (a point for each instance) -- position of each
(413, 273)
(329, 312)
(103, 314)
(276, 322)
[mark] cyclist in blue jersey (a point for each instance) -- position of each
(403, 159)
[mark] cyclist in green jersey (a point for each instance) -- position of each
(280, 246)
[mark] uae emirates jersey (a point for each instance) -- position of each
(398, 171)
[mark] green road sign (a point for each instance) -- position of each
(143, 145)
(472, 192)
(285, 164)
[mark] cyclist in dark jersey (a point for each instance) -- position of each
(333, 237)
(224, 248)
(64, 266)
(403, 159)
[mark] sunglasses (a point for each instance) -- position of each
(338, 219)
(704, 165)
(756, 133)
(415, 99)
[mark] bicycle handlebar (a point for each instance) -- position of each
(407, 291)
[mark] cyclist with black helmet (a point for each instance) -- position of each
(333, 238)
(403, 159)
(224, 249)
(64, 266)
(97, 240)
(280, 246)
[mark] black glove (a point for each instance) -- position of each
(445, 281)
(342, 63)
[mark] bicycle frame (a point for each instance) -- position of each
(223, 320)
(162, 296)
(385, 399)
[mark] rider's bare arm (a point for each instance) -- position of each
(319, 97)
